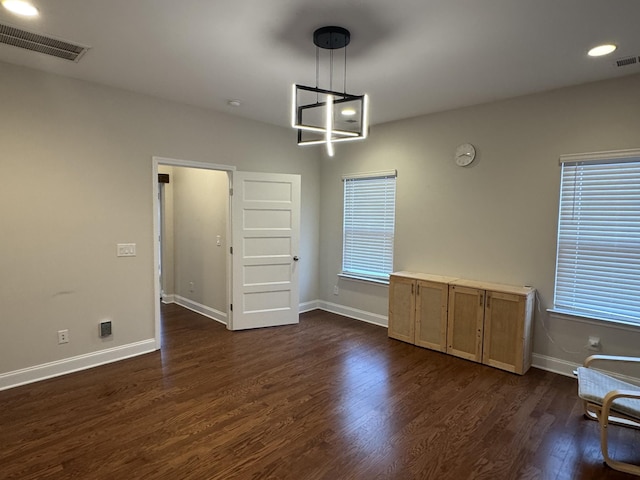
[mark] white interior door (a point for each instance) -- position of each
(266, 233)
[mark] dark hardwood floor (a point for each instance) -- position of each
(330, 398)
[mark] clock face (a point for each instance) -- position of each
(465, 154)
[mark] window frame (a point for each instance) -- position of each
(351, 242)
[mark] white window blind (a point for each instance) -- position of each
(368, 229)
(598, 258)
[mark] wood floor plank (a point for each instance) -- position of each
(330, 398)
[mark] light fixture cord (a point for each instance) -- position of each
(331, 69)
(345, 70)
(317, 70)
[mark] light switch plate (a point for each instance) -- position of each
(126, 250)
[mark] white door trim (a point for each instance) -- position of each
(174, 162)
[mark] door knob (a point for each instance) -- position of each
(295, 259)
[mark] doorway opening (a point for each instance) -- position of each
(260, 245)
(192, 232)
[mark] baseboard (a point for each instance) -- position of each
(208, 312)
(308, 306)
(565, 368)
(168, 298)
(221, 316)
(555, 365)
(373, 318)
(74, 364)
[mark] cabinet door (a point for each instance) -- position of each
(466, 315)
(431, 315)
(504, 332)
(402, 309)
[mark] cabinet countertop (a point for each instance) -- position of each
(424, 276)
(494, 287)
(461, 282)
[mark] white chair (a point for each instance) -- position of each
(609, 400)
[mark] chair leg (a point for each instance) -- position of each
(604, 437)
(604, 446)
(589, 415)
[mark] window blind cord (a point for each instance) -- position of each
(546, 330)
(575, 197)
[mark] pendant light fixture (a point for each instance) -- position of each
(325, 116)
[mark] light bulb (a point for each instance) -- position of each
(20, 7)
(601, 50)
(329, 121)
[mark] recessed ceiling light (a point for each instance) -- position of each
(348, 112)
(602, 50)
(234, 103)
(20, 7)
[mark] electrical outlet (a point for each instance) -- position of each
(594, 344)
(191, 286)
(63, 336)
(336, 290)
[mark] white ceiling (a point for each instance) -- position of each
(411, 56)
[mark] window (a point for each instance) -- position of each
(368, 229)
(598, 258)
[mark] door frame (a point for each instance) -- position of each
(173, 162)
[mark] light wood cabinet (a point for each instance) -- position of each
(418, 309)
(491, 323)
(479, 321)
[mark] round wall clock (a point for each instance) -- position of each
(465, 154)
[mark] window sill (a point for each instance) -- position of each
(356, 278)
(593, 320)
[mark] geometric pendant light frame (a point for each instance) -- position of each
(325, 116)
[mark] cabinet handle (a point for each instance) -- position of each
(481, 297)
(488, 300)
(418, 289)
(412, 289)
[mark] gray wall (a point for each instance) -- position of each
(76, 158)
(495, 220)
(201, 207)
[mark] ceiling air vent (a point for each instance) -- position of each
(40, 43)
(623, 62)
